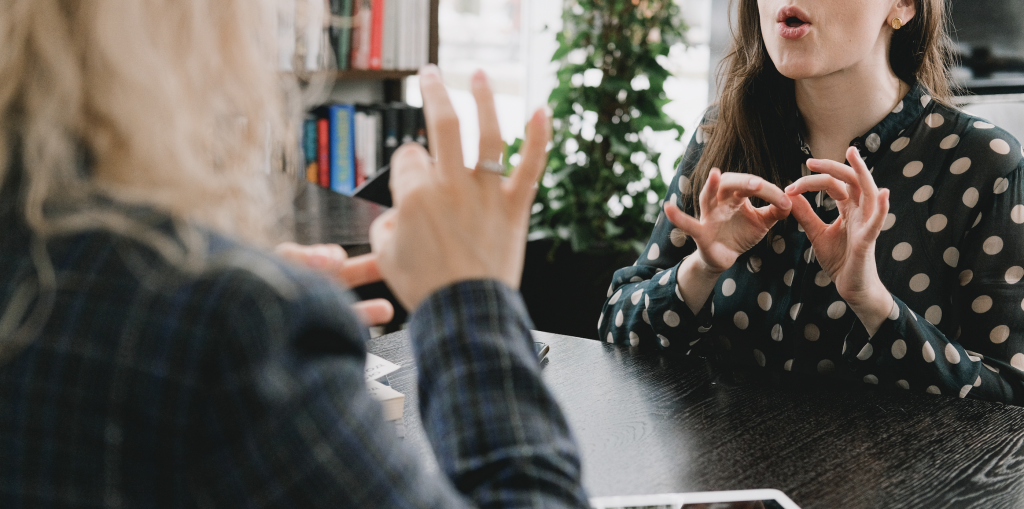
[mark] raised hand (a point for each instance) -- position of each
(846, 248)
(450, 223)
(729, 224)
(333, 261)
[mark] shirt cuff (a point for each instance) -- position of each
(669, 315)
(864, 352)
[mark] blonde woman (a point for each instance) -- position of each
(887, 247)
(153, 355)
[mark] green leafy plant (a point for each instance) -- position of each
(603, 187)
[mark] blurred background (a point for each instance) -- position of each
(513, 41)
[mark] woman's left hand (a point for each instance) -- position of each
(846, 248)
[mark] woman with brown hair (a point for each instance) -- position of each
(885, 247)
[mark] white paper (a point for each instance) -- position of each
(377, 367)
(381, 392)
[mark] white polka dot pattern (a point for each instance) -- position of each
(923, 194)
(960, 166)
(971, 197)
(912, 169)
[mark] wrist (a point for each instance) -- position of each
(695, 266)
(873, 307)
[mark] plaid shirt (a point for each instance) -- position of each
(243, 387)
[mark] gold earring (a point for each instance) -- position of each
(897, 23)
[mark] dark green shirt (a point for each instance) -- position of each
(951, 252)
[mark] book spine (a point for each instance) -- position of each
(391, 134)
(408, 124)
(388, 50)
(362, 17)
(309, 149)
(361, 135)
(342, 148)
(324, 151)
(377, 35)
(376, 155)
(345, 35)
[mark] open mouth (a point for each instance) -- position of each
(794, 23)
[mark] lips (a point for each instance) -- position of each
(793, 22)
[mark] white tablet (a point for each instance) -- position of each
(740, 499)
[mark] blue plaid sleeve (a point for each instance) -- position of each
(292, 425)
(497, 431)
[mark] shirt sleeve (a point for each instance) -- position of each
(291, 424)
(497, 431)
(985, 356)
(644, 306)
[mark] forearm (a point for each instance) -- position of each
(497, 431)
(696, 282)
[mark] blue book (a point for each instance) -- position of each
(343, 143)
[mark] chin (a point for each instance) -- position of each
(797, 68)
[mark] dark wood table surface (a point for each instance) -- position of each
(324, 216)
(647, 423)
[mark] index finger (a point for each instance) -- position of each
(359, 271)
(745, 186)
(867, 182)
(442, 123)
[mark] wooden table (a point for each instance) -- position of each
(647, 423)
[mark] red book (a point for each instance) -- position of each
(323, 151)
(377, 35)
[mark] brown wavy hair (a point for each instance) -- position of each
(750, 129)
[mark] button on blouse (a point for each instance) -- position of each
(951, 252)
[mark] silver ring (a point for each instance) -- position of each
(491, 165)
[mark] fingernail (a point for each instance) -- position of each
(786, 202)
(790, 187)
(429, 73)
(752, 184)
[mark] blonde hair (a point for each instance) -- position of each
(174, 103)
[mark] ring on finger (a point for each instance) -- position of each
(491, 165)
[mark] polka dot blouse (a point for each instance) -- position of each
(951, 252)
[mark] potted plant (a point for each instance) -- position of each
(600, 197)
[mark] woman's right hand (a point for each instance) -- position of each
(729, 224)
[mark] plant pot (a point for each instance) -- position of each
(565, 293)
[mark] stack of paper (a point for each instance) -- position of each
(392, 400)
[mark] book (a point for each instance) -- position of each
(389, 36)
(377, 34)
(343, 164)
(391, 134)
(343, 32)
(323, 151)
(362, 26)
(359, 141)
(309, 149)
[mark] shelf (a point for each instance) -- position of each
(372, 75)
